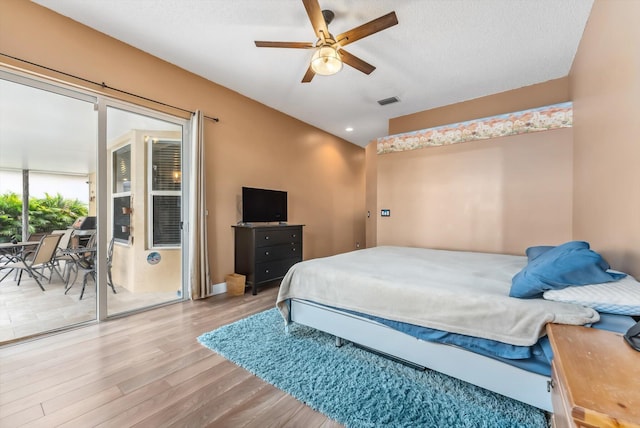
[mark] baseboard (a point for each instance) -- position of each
(217, 288)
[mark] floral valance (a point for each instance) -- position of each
(533, 120)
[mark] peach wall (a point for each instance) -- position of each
(372, 194)
(605, 87)
(252, 145)
(498, 195)
(492, 195)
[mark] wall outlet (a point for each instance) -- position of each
(385, 213)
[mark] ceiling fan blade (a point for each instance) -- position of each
(371, 27)
(316, 18)
(355, 62)
(308, 75)
(295, 45)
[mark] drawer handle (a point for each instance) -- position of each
(293, 236)
(266, 253)
(266, 237)
(266, 271)
(293, 249)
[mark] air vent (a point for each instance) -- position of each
(388, 101)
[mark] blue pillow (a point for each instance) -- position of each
(555, 268)
(534, 252)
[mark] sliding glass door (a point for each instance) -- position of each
(48, 141)
(109, 176)
(144, 215)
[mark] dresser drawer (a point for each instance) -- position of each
(265, 253)
(278, 252)
(269, 271)
(270, 237)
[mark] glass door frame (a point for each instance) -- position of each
(36, 82)
(104, 202)
(101, 103)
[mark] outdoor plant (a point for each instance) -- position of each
(45, 214)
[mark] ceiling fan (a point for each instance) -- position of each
(329, 54)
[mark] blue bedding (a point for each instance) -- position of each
(536, 358)
(554, 268)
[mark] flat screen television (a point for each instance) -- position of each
(263, 205)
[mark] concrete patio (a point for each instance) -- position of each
(26, 310)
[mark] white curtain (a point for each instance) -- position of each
(200, 277)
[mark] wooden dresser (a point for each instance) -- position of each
(264, 253)
(595, 378)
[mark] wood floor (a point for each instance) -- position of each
(146, 370)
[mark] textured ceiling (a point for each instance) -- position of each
(441, 52)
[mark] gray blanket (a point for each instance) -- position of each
(455, 291)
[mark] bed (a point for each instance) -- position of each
(448, 311)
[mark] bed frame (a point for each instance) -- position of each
(519, 384)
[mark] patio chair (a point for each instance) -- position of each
(84, 263)
(36, 236)
(65, 239)
(60, 255)
(76, 259)
(109, 263)
(42, 258)
(32, 237)
(87, 264)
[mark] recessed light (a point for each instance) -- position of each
(348, 129)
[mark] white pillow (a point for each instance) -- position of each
(618, 297)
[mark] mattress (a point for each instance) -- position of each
(460, 292)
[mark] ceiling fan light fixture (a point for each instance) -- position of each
(326, 61)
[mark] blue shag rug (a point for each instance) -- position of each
(358, 388)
